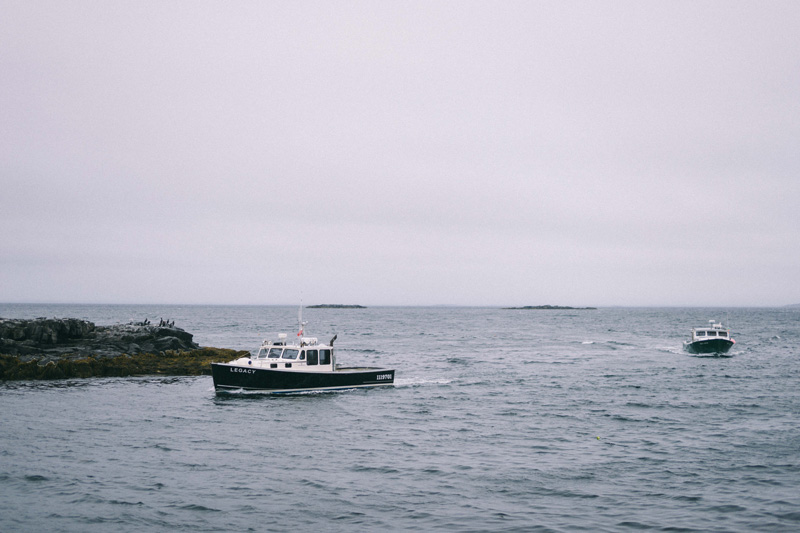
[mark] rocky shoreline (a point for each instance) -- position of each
(57, 348)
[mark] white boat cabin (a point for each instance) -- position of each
(308, 356)
(715, 330)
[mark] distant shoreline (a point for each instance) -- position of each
(552, 308)
(335, 306)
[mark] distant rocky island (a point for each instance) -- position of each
(552, 307)
(55, 348)
(336, 306)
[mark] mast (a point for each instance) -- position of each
(300, 322)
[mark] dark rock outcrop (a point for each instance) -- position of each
(71, 338)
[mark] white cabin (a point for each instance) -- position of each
(715, 330)
(306, 356)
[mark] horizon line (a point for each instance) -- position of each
(366, 306)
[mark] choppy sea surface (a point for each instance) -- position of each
(499, 420)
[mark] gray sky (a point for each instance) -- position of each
(400, 153)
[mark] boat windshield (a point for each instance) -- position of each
(274, 353)
(289, 353)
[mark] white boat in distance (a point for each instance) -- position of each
(715, 338)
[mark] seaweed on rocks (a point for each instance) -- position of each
(168, 363)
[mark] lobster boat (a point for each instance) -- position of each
(304, 365)
(714, 339)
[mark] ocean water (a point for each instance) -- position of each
(500, 420)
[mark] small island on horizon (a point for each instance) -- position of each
(552, 308)
(336, 306)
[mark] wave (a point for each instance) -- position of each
(413, 382)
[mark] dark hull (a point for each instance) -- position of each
(231, 377)
(709, 346)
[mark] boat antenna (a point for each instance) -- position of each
(300, 320)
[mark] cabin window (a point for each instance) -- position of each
(712, 333)
(262, 354)
(313, 357)
(723, 333)
(324, 357)
(701, 333)
(289, 353)
(273, 365)
(302, 355)
(274, 353)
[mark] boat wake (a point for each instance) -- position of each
(418, 382)
(252, 394)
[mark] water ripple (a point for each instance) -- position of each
(550, 422)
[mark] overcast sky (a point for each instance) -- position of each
(400, 153)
